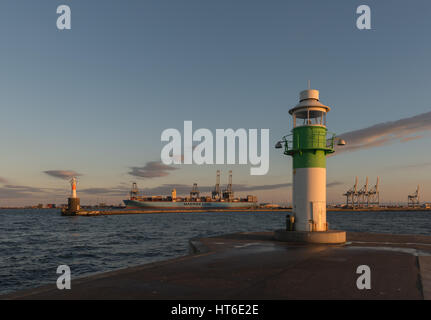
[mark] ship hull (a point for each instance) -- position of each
(170, 205)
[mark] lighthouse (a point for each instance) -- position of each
(73, 203)
(308, 144)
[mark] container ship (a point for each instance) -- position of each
(219, 199)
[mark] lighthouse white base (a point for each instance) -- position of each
(309, 199)
(322, 237)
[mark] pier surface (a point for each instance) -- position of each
(255, 266)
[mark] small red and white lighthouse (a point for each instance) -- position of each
(73, 203)
(73, 183)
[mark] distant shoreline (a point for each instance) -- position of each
(259, 210)
(120, 211)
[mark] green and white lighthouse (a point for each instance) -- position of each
(308, 145)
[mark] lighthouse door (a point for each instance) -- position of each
(318, 210)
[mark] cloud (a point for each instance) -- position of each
(14, 191)
(152, 169)
(384, 133)
(412, 138)
(334, 184)
(24, 188)
(62, 174)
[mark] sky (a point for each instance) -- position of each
(93, 101)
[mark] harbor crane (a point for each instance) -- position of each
(364, 197)
(216, 192)
(413, 199)
(352, 195)
(374, 195)
(228, 192)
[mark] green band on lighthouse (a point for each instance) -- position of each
(309, 147)
(309, 159)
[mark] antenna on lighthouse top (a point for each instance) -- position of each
(309, 85)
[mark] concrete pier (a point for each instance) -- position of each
(256, 266)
